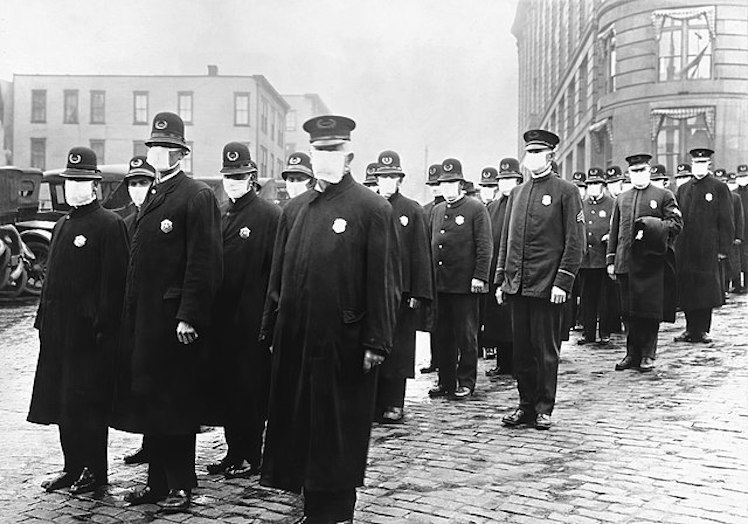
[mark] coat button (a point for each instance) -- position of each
(441, 246)
(590, 233)
(593, 211)
(446, 216)
(442, 231)
(441, 263)
(589, 245)
(590, 221)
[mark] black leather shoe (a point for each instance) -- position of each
(647, 364)
(701, 338)
(519, 416)
(543, 421)
(493, 372)
(604, 339)
(584, 340)
(86, 482)
(429, 369)
(393, 415)
(177, 501)
(683, 337)
(61, 481)
(139, 457)
(461, 393)
(626, 363)
(220, 467)
(439, 391)
(244, 470)
(144, 495)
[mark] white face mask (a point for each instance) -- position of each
(659, 183)
(742, 181)
(625, 186)
(732, 186)
(640, 179)
(487, 194)
(79, 192)
(436, 191)
(138, 194)
(614, 188)
(582, 191)
(294, 189)
(328, 165)
(235, 189)
(450, 190)
(506, 185)
(536, 162)
(681, 180)
(700, 169)
(595, 190)
(158, 157)
(388, 186)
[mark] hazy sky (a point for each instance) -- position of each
(413, 74)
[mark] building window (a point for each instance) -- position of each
(187, 161)
(38, 106)
(263, 161)
(139, 148)
(241, 109)
(571, 112)
(140, 107)
(675, 131)
(289, 149)
(39, 153)
(291, 121)
(70, 114)
(272, 165)
(685, 48)
(98, 107)
(607, 43)
(583, 78)
(184, 106)
(98, 148)
(272, 124)
(280, 167)
(264, 116)
(581, 155)
(561, 116)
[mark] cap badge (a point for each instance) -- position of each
(75, 159)
(136, 162)
(404, 220)
(370, 170)
(448, 167)
(533, 134)
(486, 174)
(653, 204)
(387, 160)
(708, 197)
(79, 241)
(294, 160)
(325, 123)
(244, 232)
(611, 171)
(339, 225)
(166, 226)
(546, 200)
(505, 165)
(603, 214)
(432, 171)
(232, 156)
(459, 220)
(160, 125)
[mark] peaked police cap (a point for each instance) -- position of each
(237, 159)
(168, 131)
(81, 164)
(298, 163)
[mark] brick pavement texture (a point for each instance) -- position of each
(670, 446)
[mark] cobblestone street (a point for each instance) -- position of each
(670, 446)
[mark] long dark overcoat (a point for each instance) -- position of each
(708, 230)
(236, 367)
(174, 274)
(742, 192)
(417, 282)
(496, 319)
(334, 292)
(79, 317)
(738, 214)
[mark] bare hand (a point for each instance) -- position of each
(186, 334)
(737, 241)
(414, 303)
(371, 359)
(499, 296)
(639, 235)
(604, 238)
(477, 286)
(612, 271)
(558, 295)
(721, 256)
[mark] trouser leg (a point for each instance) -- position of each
(698, 321)
(152, 445)
(591, 302)
(330, 506)
(648, 340)
(244, 441)
(392, 392)
(504, 352)
(447, 343)
(84, 445)
(524, 359)
(72, 452)
(466, 328)
(172, 463)
(545, 320)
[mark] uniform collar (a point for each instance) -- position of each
(335, 189)
(395, 197)
(82, 211)
(243, 201)
(458, 202)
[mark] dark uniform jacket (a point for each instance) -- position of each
(708, 230)
(334, 292)
(496, 319)
(429, 210)
(742, 192)
(236, 367)
(738, 213)
(651, 275)
(461, 244)
(543, 238)
(174, 273)
(79, 318)
(597, 213)
(415, 268)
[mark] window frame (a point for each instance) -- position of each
(135, 95)
(685, 29)
(100, 159)
(187, 121)
(70, 94)
(43, 118)
(237, 96)
(93, 93)
(33, 153)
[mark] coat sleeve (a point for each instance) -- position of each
(272, 298)
(114, 259)
(421, 281)
(725, 220)
(672, 215)
(383, 282)
(571, 258)
(204, 264)
(498, 277)
(483, 244)
(739, 217)
(615, 222)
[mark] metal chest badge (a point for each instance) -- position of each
(167, 226)
(653, 204)
(603, 214)
(459, 220)
(79, 241)
(339, 225)
(244, 232)
(546, 200)
(404, 220)
(708, 197)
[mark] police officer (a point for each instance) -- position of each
(78, 320)
(370, 180)
(614, 182)
(708, 232)
(415, 267)
(298, 174)
(579, 179)
(461, 246)
(497, 318)
(331, 308)
(727, 265)
(174, 273)
(658, 177)
(612, 300)
(487, 193)
(598, 207)
(468, 188)
(645, 219)
(682, 174)
(236, 367)
(435, 172)
(741, 179)
(541, 250)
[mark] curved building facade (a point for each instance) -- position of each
(658, 76)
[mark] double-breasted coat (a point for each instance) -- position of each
(334, 292)
(79, 318)
(738, 214)
(708, 230)
(496, 319)
(742, 193)
(597, 213)
(236, 368)
(173, 275)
